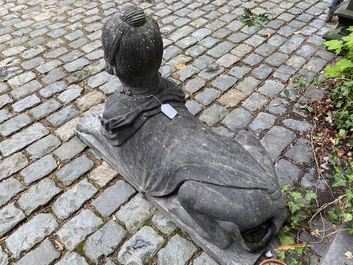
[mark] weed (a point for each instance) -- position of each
(251, 19)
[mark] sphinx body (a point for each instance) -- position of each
(228, 187)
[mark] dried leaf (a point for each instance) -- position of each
(176, 75)
(59, 245)
(180, 66)
(297, 32)
(349, 255)
(289, 247)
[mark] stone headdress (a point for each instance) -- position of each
(132, 44)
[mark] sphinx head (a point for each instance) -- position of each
(133, 46)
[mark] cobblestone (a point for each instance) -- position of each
(76, 229)
(213, 115)
(8, 189)
(112, 198)
(14, 124)
(62, 116)
(135, 213)
(178, 251)
(69, 149)
(43, 147)
(141, 247)
(45, 249)
(73, 170)
(38, 195)
(31, 233)
(39, 169)
(23, 139)
(73, 199)
(104, 241)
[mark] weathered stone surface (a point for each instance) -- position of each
(237, 119)
(102, 174)
(59, 118)
(263, 121)
(76, 229)
(8, 189)
(301, 126)
(39, 169)
(43, 146)
(301, 151)
(232, 98)
(135, 213)
(213, 115)
(73, 199)
(12, 164)
(26, 103)
(104, 241)
(23, 139)
(31, 233)
(287, 173)
(178, 251)
(90, 99)
(163, 224)
(73, 170)
(14, 124)
(10, 216)
(271, 88)
(275, 142)
(70, 94)
(207, 96)
(255, 102)
(72, 259)
(69, 149)
(44, 254)
(44, 109)
(38, 195)
(141, 247)
(111, 199)
(66, 131)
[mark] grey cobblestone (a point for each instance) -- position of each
(38, 195)
(287, 173)
(70, 94)
(44, 109)
(66, 131)
(8, 189)
(52, 89)
(135, 213)
(275, 143)
(213, 115)
(113, 197)
(10, 216)
(14, 124)
(90, 99)
(76, 229)
(69, 149)
(263, 121)
(73, 259)
(73, 199)
(45, 249)
(224, 82)
(178, 251)
(62, 116)
(73, 170)
(3, 257)
(300, 152)
(193, 107)
(141, 247)
(163, 224)
(104, 241)
(204, 259)
(207, 96)
(43, 147)
(26, 89)
(26, 103)
(271, 88)
(31, 233)
(255, 102)
(248, 85)
(237, 119)
(22, 139)
(39, 169)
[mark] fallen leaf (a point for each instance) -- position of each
(315, 233)
(180, 66)
(309, 67)
(59, 245)
(297, 32)
(349, 255)
(289, 247)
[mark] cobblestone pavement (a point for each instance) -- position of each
(61, 205)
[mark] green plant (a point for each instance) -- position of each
(302, 206)
(250, 19)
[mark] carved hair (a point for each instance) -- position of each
(132, 44)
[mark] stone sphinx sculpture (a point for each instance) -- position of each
(225, 190)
